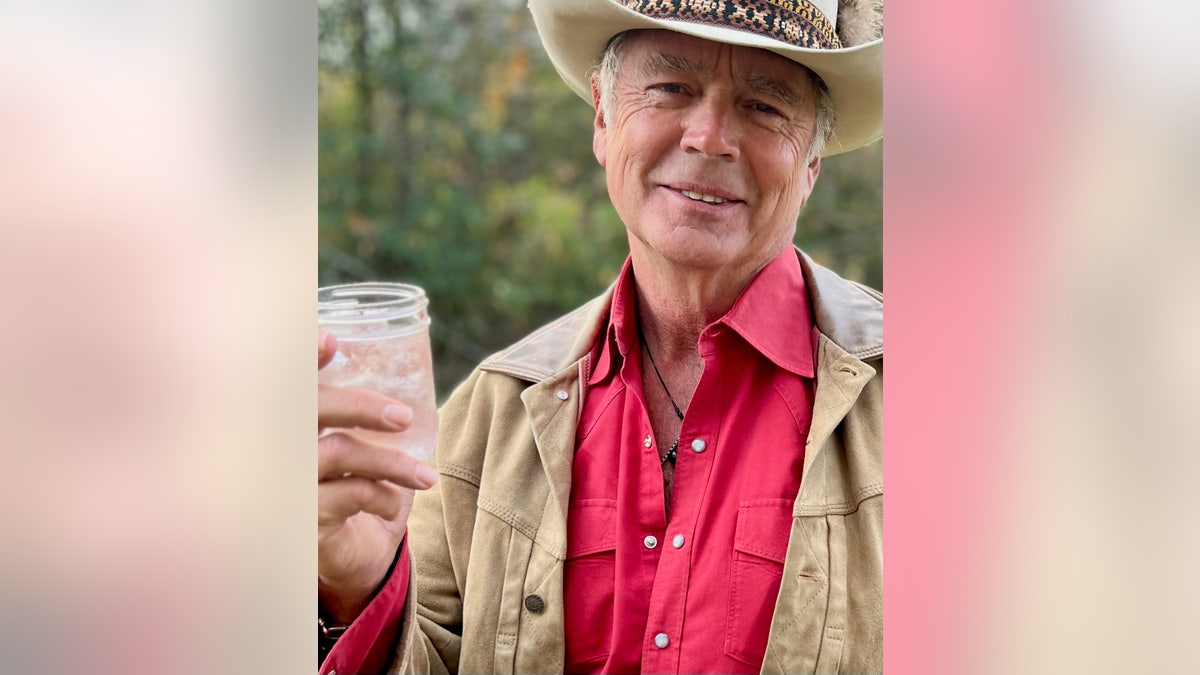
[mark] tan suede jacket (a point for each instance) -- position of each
(493, 533)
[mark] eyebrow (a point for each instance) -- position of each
(766, 86)
(663, 63)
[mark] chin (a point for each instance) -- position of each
(694, 247)
(698, 257)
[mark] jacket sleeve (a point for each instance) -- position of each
(440, 531)
(495, 513)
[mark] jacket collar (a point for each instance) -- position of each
(846, 312)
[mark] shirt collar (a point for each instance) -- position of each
(783, 337)
(774, 315)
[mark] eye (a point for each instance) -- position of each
(670, 88)
(764, 108)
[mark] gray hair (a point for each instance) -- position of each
(822, 126)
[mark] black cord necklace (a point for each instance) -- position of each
(674, 451)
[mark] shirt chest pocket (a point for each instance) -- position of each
(589, 582)
(756, 568)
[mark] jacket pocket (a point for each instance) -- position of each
(591, 565)
(759, 549)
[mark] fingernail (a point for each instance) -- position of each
(398, 415)
(426, 474)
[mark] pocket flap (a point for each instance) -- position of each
(591, 527)
(763, 528)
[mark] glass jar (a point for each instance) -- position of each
(382, 331)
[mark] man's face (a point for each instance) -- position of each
(705, 150)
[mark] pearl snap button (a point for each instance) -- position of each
(650, 541)
(677, 542)
(698, 445)
(661, 641)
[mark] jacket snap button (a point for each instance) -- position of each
(535, 604)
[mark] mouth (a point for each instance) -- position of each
(701, 197)
(705, 194)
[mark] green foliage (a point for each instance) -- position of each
(452, 156)
(841, 227)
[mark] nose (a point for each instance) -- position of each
(709, 129)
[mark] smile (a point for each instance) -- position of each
(700, 197)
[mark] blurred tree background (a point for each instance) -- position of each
(452, 156)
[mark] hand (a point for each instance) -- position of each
(364, 492)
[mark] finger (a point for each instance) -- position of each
(346, 408)
(341, 453)
(340, 499)
(326, 348)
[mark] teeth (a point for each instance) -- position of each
(709, 199)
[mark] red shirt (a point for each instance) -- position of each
(694, 593)
(707, 582)
(369, 643)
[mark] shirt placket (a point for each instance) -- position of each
(698, 444)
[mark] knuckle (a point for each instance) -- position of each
(334, 446)
(363, 401)
(362, 492)
(392, 511)
(334, 505)
(388, 506)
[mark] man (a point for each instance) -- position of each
(684, 475)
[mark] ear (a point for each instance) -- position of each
(810, 174)
(599, 130)
(814, 170)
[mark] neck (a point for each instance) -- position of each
(676, 303)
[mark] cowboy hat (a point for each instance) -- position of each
(839, 40)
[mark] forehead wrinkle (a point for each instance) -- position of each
(659, 63)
